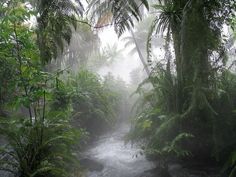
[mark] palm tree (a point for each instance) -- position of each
(173, 19)
(120, 13)
(168, 22)
(83, 44)
(193, 27)
(55, 19)
(137, 41)
(105, 57)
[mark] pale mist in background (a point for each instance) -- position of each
(125, 63)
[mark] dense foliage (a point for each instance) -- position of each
(186, 110)
(189, 112)
(93, 103)
(45, 116)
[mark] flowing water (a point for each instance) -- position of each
(118, 159)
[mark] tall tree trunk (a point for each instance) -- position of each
(195, 66)
(175, 28)
(140, 53)
(194, 49)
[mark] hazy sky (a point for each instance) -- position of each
(123, 66)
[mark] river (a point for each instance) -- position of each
(118, 159)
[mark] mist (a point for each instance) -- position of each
(117, 88)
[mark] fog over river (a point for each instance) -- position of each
(118, 159)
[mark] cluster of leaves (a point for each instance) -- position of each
(39, 137)
(55, 19)
(195, 97)
(93, 104)
(121, 100)
(224, 123)
(160, 131)
(156, 127)
(39, 148)
(118, 13)
(78, 53)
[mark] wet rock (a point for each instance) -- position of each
(156, 172)
(91, 165)
(5, 174)
(176, 170)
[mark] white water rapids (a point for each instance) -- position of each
(119, 159)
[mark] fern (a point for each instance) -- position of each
(30, 155)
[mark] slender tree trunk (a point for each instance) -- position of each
(140, 54)
(175, 28)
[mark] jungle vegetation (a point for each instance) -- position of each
(52, 102)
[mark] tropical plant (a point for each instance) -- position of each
(119, 98)
(156, 122)
(117, 13)
(137, 41)
(41, 148)
(55, 20)
(104, 57)
(39, 140)
(186, 92)
(91, 103)
(83, 46)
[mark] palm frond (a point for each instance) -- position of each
(55, 22)
(123, 13)
(149, 39)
